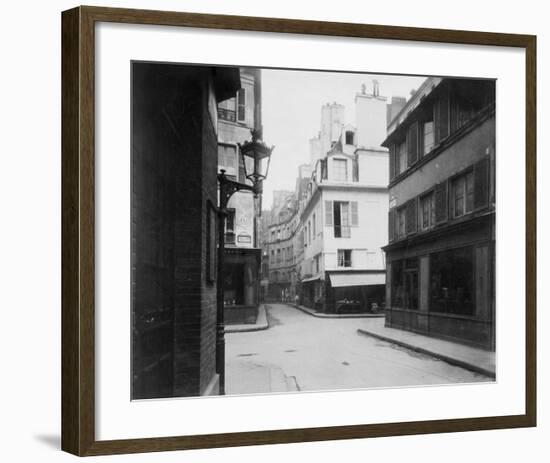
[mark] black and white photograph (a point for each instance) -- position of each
(298, 231)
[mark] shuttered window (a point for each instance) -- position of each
(441, 212)
(412, 143)
(328, 214)
(354, 214)
(481, 183)
(442, 117)
(412, 215)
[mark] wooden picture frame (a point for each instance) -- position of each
(78, 225)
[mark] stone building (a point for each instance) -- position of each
(441, 251)
(346, 201)
(237, 116)
(173, 227)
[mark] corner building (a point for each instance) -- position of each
(440, 259)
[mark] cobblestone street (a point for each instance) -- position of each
(301, 352)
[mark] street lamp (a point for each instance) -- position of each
(256, 156)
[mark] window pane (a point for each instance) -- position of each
(458, 194)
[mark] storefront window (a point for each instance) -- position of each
(452, 281)
(405, 284)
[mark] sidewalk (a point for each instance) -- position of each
(245, 377)
(470, 358)
(335, 315)
(261, 323)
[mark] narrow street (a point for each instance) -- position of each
(302, 353)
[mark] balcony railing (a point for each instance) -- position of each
(226, 114)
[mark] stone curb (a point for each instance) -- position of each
(334, 315)
(445, 358)
(261, 323)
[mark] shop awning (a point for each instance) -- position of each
(306, 280)
(339, 280)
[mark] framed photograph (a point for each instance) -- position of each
(282, 231)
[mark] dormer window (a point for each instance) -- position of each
(340, 170)
(349, 137)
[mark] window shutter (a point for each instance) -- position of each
(441, 203)
(441, 117)
(412, 215)
(393, 149)
(391, 225)
(481, 183)
(328, 213)
(354, 214)
(412, 143)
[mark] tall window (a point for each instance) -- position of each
(278, 256)
(349, 137)
(341, 219)
(340, 167)
(462, 194)
(241, 105)
(427, 211)
(402, 157)
(314, 225)
(227, 159)
(344, 257)
(428, 137)
(401, 222)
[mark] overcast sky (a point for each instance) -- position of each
(291, 112)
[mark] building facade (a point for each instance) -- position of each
(339, 260)
(237, 116)
(441, 251)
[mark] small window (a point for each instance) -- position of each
(344, 257)
(349, 137)
(227, 160)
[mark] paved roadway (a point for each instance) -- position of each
(302, 352)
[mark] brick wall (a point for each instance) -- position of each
(172, 124)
